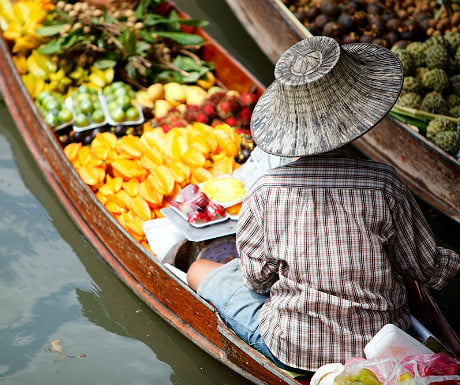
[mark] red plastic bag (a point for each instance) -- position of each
(436, 369)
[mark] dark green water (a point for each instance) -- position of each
(54, 286)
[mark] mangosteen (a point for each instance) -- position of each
(320, 21)
(374, 8)
(393, 25)
(360, 18)
(380, 41)
(356, 5)
(87, 139)
(147, 112)
(377, 23)
(78, 136)
(349, 38)
(346, 22)
(312, 13)
(330, 8)
(120, 130)
(423, 20)
(412, 31)
(366, 39)
(392, 38)
(332, 29)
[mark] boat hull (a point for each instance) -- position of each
(429, 172)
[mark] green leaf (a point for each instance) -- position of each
(70, 40)
(128, 40)
(193, 22)
(186, 63)
(192, 77)
(147, 36)
(51, 47)
(50, 30)
(142, 47)
(181, 37)
(105, 63)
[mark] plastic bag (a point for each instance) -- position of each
(437, 368)
(420, 369)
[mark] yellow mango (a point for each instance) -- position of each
(226, 142)
(180, 171)
(155, 92)
(84, 156)
(144, 100)
(195, 95)
(174, 93)
(161, 108)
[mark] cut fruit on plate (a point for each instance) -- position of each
(224, 190)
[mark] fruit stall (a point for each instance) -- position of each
(140, 115)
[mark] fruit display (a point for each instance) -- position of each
(196, 206)
(119, 104)
(386, 23)
(144, 114)
(52, 107)
(136, 176)
(432, 89)
(86, 108)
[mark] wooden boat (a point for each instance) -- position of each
(430, 172)
(147, 277)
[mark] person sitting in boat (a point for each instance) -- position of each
(326, 241)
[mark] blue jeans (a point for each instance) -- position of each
(238, 306)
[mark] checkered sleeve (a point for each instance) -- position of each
(415, 249)
(258, 272)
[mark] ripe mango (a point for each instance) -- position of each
(174, 93)
(155, 92)
(195, 95)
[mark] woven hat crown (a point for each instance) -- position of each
(324, 96)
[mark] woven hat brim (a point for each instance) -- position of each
(328, 116)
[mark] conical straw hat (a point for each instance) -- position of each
(324, 96)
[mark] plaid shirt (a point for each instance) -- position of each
(331, 239)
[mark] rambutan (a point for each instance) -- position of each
(209, 110)
(166, 128)
(216, 97)
(248, 99)
(202, 118)
(191, 112)
(232, 121)
(216, 122)
(245, 116)
(224, 109)
(235, 103)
